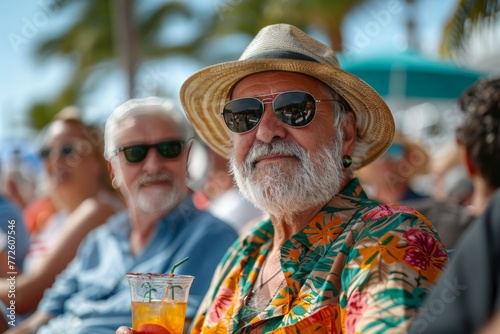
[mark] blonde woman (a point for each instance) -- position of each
(78, 179)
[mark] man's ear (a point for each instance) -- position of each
(188, 153)
(189, 149)
(470, 167)
(350, 134)
(111, 173)
(110, 169)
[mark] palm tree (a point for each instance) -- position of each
(467, 14)
(89, 44)
(249, 16)
(89, 40)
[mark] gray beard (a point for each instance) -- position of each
(282, 194)
(159, 199)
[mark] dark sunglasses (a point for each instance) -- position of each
(168, 150)
(65, 150)
(294, 108)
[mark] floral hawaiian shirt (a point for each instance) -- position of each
(359, 266)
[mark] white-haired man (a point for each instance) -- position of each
(329, 259)
(147, 144)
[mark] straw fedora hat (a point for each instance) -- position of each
(282, 47)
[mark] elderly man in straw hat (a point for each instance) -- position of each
(327, 259)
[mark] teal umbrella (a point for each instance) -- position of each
(410, 75)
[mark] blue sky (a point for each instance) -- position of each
(23, 24)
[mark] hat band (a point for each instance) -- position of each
(279, 54)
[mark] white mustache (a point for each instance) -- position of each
(148, 178)
(274, 148)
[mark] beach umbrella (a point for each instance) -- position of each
(410, 75)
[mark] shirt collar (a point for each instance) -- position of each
(319, 234)
(322, 230)
(119, 224)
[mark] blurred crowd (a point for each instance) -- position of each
(401, 175)
(55, 209)
(58, 206)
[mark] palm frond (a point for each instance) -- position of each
(468, 14)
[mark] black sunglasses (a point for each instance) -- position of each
(168, 150)
(65, 150)
(293, 108)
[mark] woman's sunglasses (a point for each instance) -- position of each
(395, 152)
(294, 108)
(65, 150)
(168, 150)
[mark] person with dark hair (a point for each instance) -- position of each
(467, 295)
(479, 137)
(326, 259)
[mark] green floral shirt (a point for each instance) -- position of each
(358, 267)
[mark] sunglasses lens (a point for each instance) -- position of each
(242, 115)
(135, 153)
(44, 153)
(167, 150)
(395, 152)
(295, 108)
(170, 150)
(67, 150)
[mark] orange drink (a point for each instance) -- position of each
(159, 302)
(158, 317)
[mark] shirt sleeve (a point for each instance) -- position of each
(393, 263)
(66, 283)
(220, 273)
(12, 220)
(206, 245)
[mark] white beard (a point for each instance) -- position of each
(157, 199)
(282, 193)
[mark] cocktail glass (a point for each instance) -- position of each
(159, 302)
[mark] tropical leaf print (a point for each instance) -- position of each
(357, 267)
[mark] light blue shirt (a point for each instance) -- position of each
(93, 296)
(11, 215)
